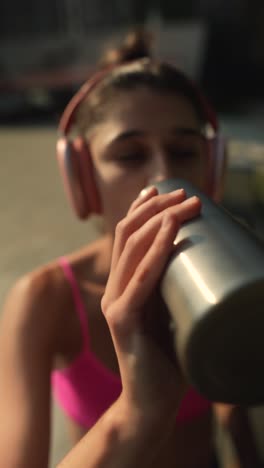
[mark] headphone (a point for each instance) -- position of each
(75, 161)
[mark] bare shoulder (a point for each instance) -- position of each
(40, 301)
(32, 306)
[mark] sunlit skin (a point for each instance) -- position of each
(144, 137)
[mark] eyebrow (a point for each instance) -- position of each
(129, 134)
(140, 133)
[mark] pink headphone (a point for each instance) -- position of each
(76, 165)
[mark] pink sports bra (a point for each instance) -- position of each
(86, 388)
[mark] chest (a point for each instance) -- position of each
(85, 328)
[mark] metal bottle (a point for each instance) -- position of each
(213, 287)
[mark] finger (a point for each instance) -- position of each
(139, 242)
(144, 195)
(139, 216)
(151, 267)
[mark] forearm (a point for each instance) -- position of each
(24, 442)
(243, 438)
(236, 422)
(120, 439)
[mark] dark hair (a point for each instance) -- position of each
(131, 66)
(136, 45)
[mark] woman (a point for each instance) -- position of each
(137, 122)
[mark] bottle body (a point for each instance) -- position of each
(213, 287)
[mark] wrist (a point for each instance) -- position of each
(145, 420)
(135, 434)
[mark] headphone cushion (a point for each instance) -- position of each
(86, 176)
(219, 166)
(77, 172)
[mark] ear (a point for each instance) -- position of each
(77, 171)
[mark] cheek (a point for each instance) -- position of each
(194, 172)
(118, 189)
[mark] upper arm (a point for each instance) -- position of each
(27, 334)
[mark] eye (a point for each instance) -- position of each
(182, 153)
(133, 158)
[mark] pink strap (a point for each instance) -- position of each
(79, 305)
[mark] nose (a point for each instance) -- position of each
(159, 168)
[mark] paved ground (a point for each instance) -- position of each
(36, 224)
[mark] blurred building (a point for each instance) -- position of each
(57, 42)
(35, 33)
(20, 20)
(52, 43)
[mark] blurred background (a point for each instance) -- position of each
(47, 49)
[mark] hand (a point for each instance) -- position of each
(152, 384)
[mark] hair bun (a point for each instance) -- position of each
(136, 45)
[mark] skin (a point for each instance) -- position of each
(139, 144)
(133, 147)
(140, 425)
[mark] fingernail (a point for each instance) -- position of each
(195, 198)
(180, 191)
(146, 191)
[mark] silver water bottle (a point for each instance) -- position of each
(213, 287)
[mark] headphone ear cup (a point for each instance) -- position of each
(219, 167)
(76, 169)
(86, 177)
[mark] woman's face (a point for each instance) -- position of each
(144, 138)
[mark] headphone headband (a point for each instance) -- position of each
(67, 118)
(76, 163)
(68, 115)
